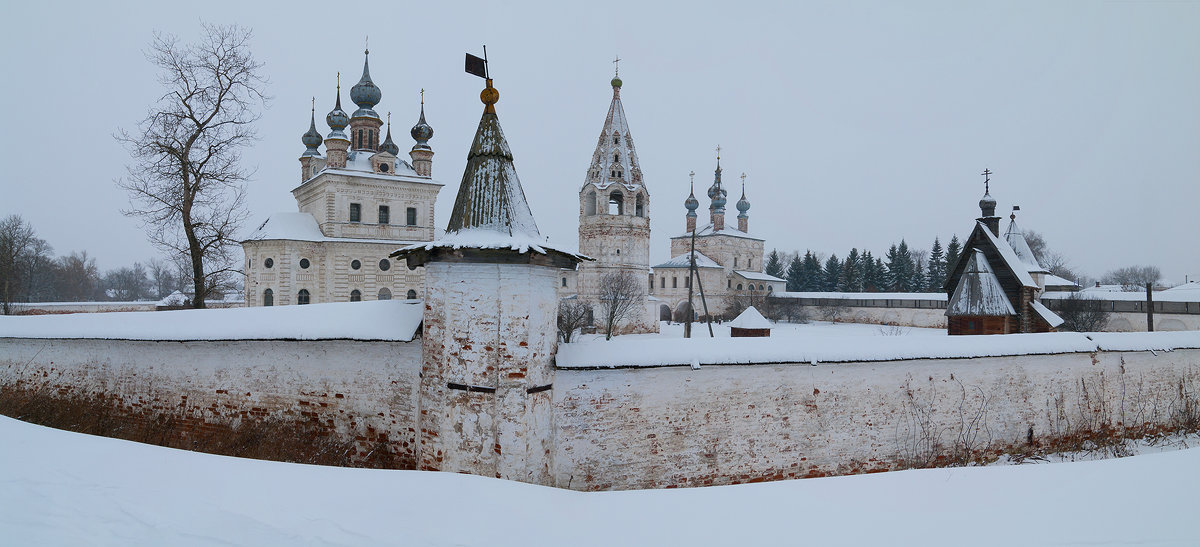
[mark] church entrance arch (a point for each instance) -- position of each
(664, 312)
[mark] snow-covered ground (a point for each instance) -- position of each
(59, 488)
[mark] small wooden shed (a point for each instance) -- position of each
(750, 324)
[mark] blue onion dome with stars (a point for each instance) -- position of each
(422, 132)
(337, 118)
(389, 145)
(312, 138)
(365, 93)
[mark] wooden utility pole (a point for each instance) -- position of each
(1149, 307)
(687, 327)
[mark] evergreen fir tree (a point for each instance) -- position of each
(795, 274)
(906, 268)
(852, 273)
(890, 278)
(878, 275)
(833, 271)
(918, 278)
(953, 251)
(935, 273)
(813, 281)
(774, 265)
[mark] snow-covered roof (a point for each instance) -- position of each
(979, 291)
(1192, 287)
(1020, 269)
(684, 261)
(759, 276)
(394, 320)
(1103, 288)
(1052, 280)
(751, 319)
(1048, 316)
(482, 238)
(1016, 239)
(303, 227)
(727, 231)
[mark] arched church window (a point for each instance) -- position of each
(760, 287)
(739, 286)
(616, 157)
(302, 297)
(412, 295)
(612, 173)
(616, 139)
(371, 139)
(360, 139)
(616, 203)
(620, 173)
(356, 295)
(640, 207)
(385, 294)
(735, 264)
(268, 297)
(589, 203)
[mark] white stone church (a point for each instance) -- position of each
(358, 203)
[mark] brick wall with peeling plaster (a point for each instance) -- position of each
(632, 428)
(365, 391)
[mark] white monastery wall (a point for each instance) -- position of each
(366, 391)
(676, 427)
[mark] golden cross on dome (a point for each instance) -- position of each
(987, 174)
(718, 152)
(422, 96)
(617, 66)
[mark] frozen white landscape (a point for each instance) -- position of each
(60, 488)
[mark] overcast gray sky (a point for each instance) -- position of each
(856, 123)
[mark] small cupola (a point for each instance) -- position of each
(312, 138)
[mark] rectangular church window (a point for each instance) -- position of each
(355, 212)
(384, 214)
(412, 216)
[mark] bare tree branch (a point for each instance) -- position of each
(185, 180)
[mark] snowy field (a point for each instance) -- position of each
(59, 488)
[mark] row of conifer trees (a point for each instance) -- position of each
(901, 269)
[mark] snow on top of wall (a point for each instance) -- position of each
(393, 320)
(1146, 341)
(657, 352)
(751, 319)
(941, 296)
(1134, 296)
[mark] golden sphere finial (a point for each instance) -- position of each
(490, 96)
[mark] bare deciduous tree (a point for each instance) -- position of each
(1133, 278)
(572, 316)
(620, 298)
(77, 277)
(18, 246)
(1081, 313)
(185, 180)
